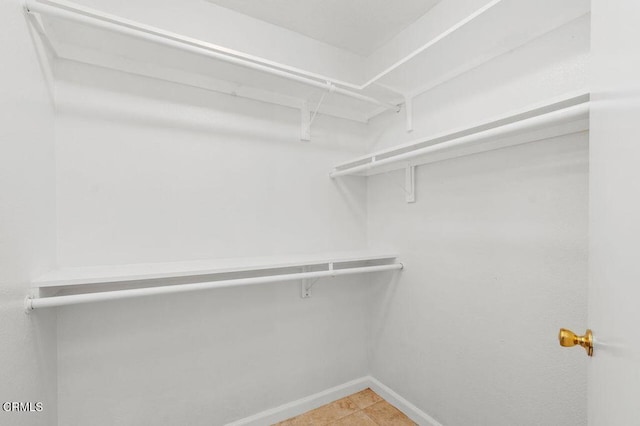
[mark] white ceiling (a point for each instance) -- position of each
(360, 26)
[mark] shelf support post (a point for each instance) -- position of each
(410, 183)
(305, 286)
(408, 111)
(305, 119)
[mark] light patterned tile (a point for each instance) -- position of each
(386, 414)
(357, 419)
(365, 398)
(323, 415)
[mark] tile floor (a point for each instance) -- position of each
(365, 408)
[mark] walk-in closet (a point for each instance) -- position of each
(319, 212)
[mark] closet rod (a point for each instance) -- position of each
(50, 302)
(571, 113)
(69, 11)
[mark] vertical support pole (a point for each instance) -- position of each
(408, 110)
(305, 288)
(410, 183)
(305, 120)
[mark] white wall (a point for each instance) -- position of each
(151, 171)
(495, 251)
(27, 222)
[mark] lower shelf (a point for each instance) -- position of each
(123, 283)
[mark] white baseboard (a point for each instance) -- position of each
(295, 408)
(302, 405)
(413, 412)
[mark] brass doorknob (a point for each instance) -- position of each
(568, 338)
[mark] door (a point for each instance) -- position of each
(614, 289)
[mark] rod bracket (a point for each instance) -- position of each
(28, 304)
(333, 275)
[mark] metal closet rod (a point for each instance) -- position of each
(131, 28)
(75, 299)
(574, 112)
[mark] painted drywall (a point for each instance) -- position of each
(153, 171)
(27, 225)
(149, 171)
(495, 253)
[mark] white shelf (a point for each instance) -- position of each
(153, 271)
(561, 116)
(75, 286)
(85, 35)
(501, 28)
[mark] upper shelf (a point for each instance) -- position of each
(154, 271)
(569, 114)
(496, 29)
(85, 35)
(417, 64)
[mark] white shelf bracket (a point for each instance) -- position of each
(306, 284)
(305, 119)
(408, 111)
(410, 183)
